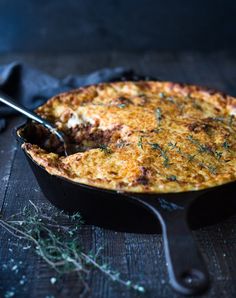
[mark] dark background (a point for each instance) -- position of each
(104, 25)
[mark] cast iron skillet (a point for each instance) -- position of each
(186, 268)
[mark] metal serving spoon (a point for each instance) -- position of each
(52, 129)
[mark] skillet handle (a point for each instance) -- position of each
(186, 268)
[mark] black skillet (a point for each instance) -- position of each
(187, 271)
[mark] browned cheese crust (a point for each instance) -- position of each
(143, 136)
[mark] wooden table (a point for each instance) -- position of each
(138, 257)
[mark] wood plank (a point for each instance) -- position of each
(7, 155)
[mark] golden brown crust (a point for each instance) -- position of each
(144, 136)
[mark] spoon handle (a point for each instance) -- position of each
(8, 101)
(11, 103)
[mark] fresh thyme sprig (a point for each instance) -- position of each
(58, 244)
(204, 148)
(218, 154)
(188, 156)
(140, 143)
(105, 149)
(156, 146)
(231, 119)
(192, 158)
(159, 115)
(226, 145)
(121, 105)
(196, 105)
(162, 95)
(171, 178)
(211, 168)
(167, 98)
(201, 147)
(172, 145)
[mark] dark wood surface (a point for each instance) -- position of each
(138, 257)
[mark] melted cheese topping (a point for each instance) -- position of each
(143, 137)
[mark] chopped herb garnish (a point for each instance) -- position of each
(201, 147)
(121, 105)
(190, 157)
(171, 178)
(181, 108)
(192, 140)
(205, 148)
(218, 119)
(226, 145)
(170, 99)
(196, 106)
(162, 95)
(218, 155)
(159, 115)
(173, 146)
(212, 169)
(121, 144)
(167, 98)
(178, 150)
(156, 146)
(166, 161)
(105, 149)
(157, 130)
(231, 118)
(140, 142)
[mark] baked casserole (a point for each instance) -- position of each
(143, 137)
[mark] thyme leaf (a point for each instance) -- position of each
(171, 178)
(226, 145)
(156, 130)
(172, 145)
(140, 142)
(156, 146)
(122, 105)
(212, 169)
(178, 150)
(121, 143)
(159, 115)
(197, 106)
(218, 155)
(167, 98)
(231, 119)
(205, 148)
(190, 157)
(105, 149)
(170, 99)
(218, 119)
(201, 147)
